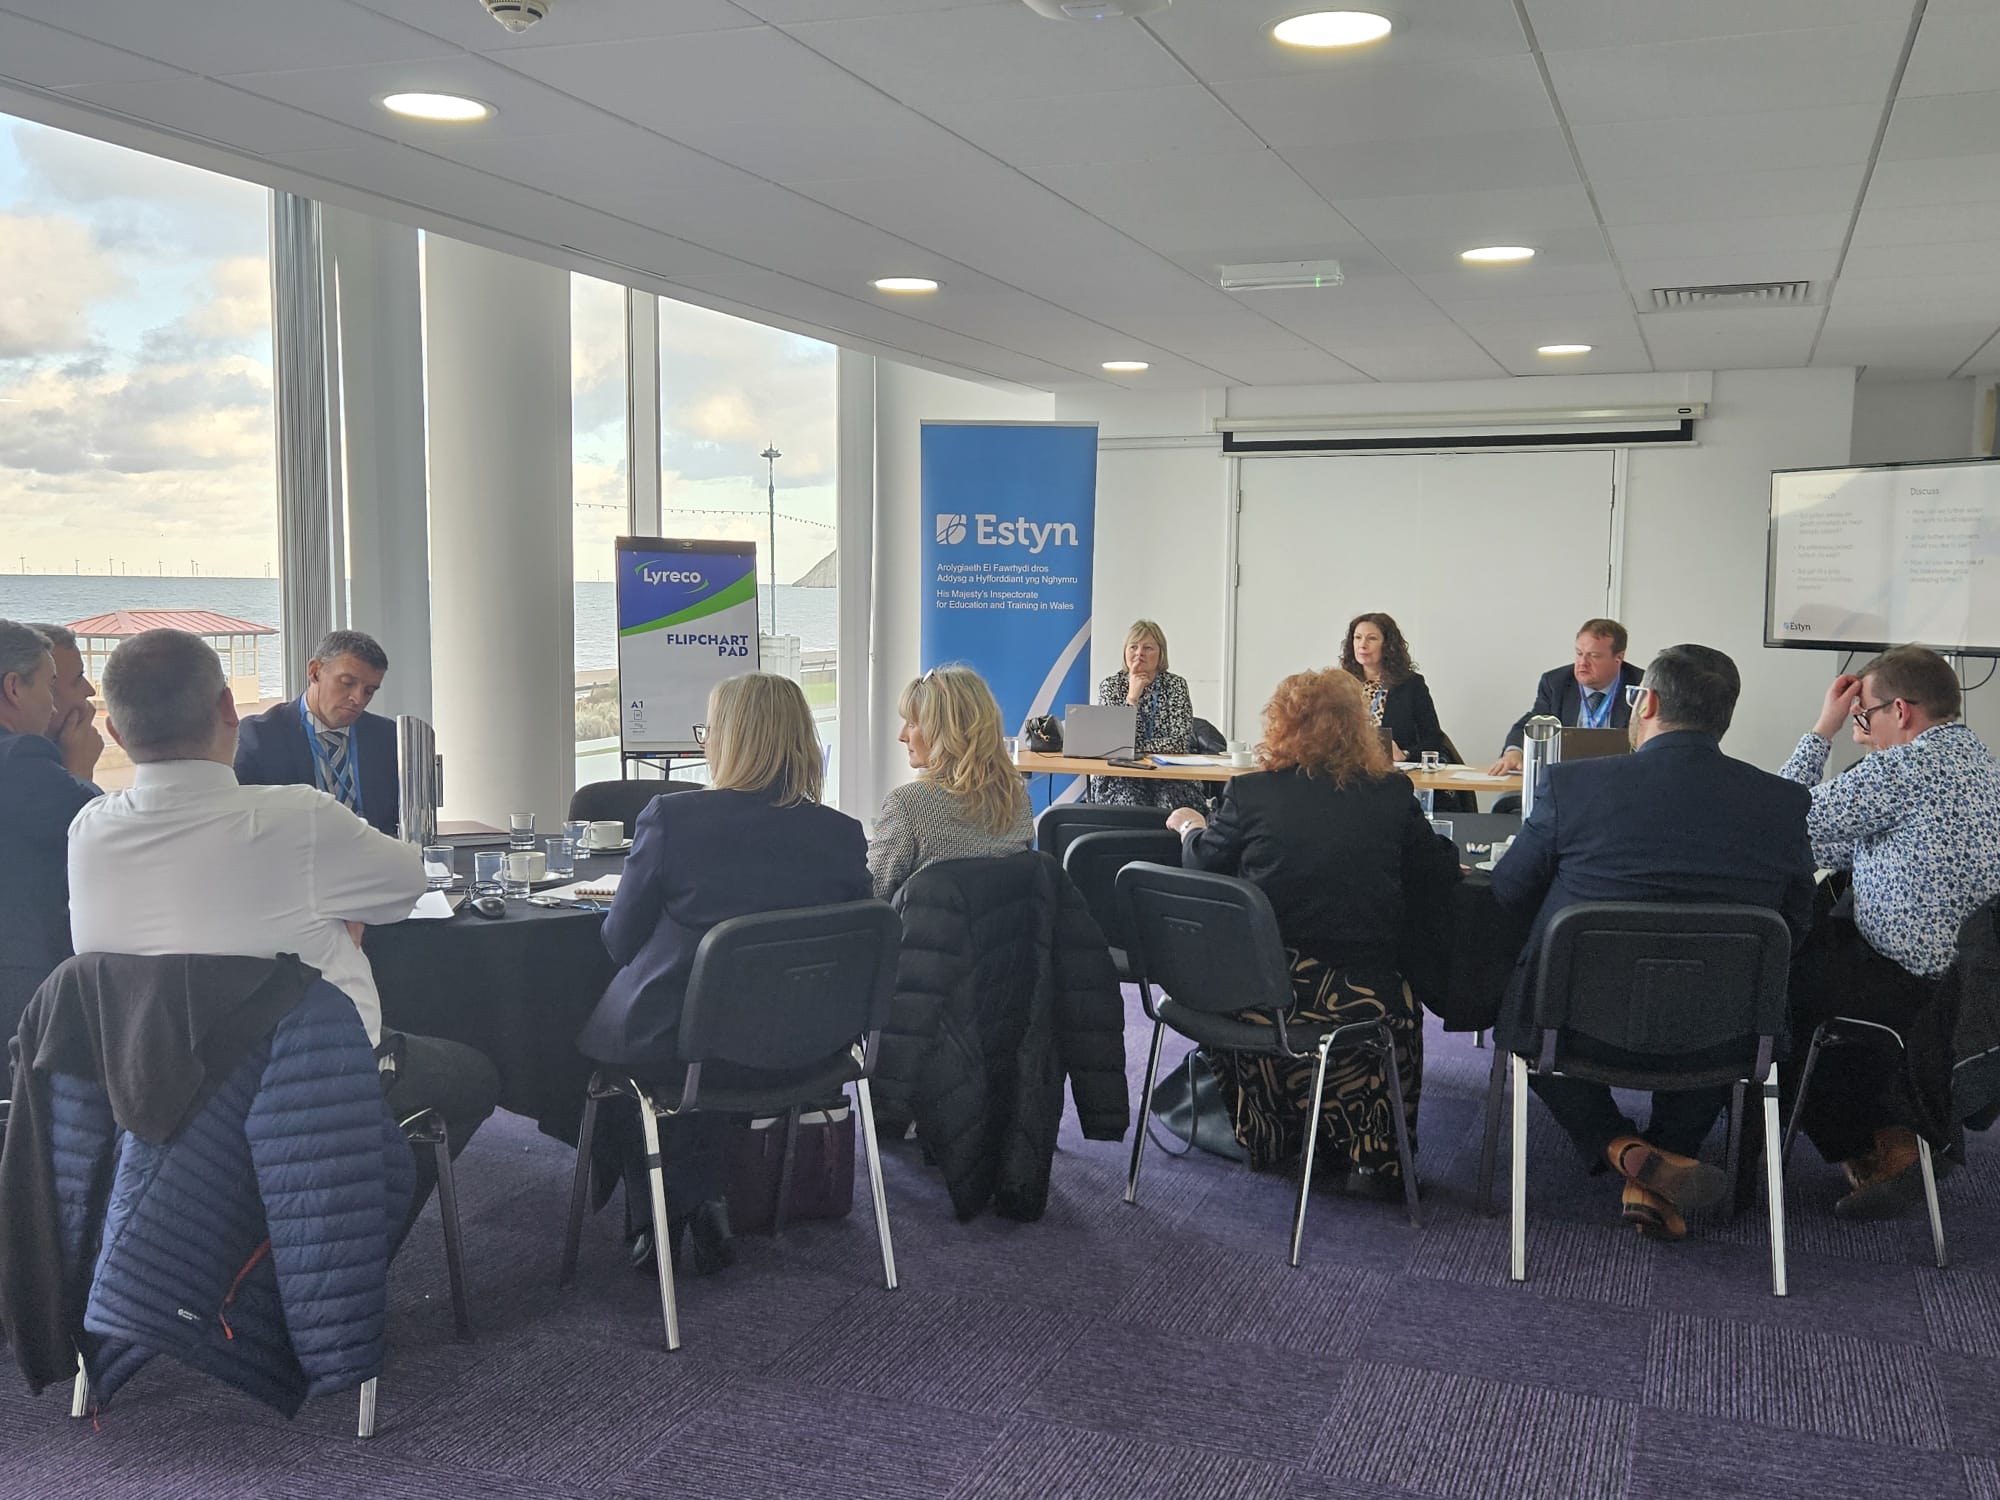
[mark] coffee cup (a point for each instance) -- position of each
(527, 865)
(607, 835)
(1240, 754)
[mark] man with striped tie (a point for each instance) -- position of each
(326, 737)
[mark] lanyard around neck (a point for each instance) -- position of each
(323, 776)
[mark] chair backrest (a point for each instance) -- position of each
(785, 989)
(1092, 862)
(601, 801)
(1210, 941)
(1068, 820)
(1661, 979)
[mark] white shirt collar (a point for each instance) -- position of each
(182, 775)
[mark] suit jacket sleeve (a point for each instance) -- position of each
(1429, 733)
(1523, 877)
(635, 909)
(1218, 848)
(254, 755)
(1548, 700)
(42, 797)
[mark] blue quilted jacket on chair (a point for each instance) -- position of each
(253, 1244)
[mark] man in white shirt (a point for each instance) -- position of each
(188, 861)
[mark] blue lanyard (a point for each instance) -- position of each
(323, 776)
(1584, 717)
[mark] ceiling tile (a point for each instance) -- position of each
(1973, 178)
(218, 112)
(1954, 53)
(1748, 143)
(47, 58)
(1943, 125)
(1689, 198)
(1974, 296)
(1434, 357)
(786, 12)
(1753, 338)
(464, 24)
(240, 36)
(350, 95)
(1920, 224)
(1391, 103)
(586, 164)
(1243, 206)
(1638, 242)
(1491, 161)
(1577, 307)
(1462, 221)
(1539, 278)
(1563, 24)
(1728, 76)
(1947, 258)
(1909, 351)
(1302, 367)
(1131, 125)
(1232, 40)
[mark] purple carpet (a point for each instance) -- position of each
(1133, 1353)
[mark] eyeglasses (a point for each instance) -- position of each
(1861, 716)
(1635, 694)
(701, 734)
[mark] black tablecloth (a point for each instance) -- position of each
(518, 989)
(1484, 940)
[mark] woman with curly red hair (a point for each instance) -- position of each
(1332, 834)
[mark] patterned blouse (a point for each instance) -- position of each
(1919, 825)
(921, 822)
(1164, 724)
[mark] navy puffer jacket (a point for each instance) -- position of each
(254, 1244)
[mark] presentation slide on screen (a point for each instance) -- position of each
(687, 618)
(1862, 558)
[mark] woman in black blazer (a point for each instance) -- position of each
(1332, 834)
(1376, 655)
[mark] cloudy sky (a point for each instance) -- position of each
(135, 383)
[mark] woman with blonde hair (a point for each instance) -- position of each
(1164, 719)
(756, 839)
(1332, 834)
(969, 802)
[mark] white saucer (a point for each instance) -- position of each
(618, 848)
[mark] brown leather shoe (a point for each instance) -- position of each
(1651, 1214)
(1888, 1182)
(1688, 1184)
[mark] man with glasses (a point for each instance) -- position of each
(1917, 823)
(1677, 821)
(1590, 693)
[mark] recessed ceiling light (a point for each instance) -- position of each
(1332, 28)
(1496, 255)
(905, 284)
(1126, 366)
(1564, 349)
(451, 109)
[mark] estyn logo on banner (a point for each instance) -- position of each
(950, 530)
(991, 531)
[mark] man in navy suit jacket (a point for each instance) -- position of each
(348, 751)
(1677, 821)
(1588, 694)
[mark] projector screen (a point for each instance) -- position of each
(1865, 558)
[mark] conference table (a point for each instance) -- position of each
(1444, 779)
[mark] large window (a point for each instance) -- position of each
(137, 468)
(600, 496)
(732, 392)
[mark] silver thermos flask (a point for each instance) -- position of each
(1541, 747)
(419, 780)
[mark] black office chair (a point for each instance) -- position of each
(786, 1008)
(601, 801)
(1507, 802)
(1211, 942)
(1092, 862)
(426, 1130)
(1700, 982)
(1068, 820)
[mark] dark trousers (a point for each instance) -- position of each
(457, 1081)
(690, 1159)
(1858, 1089)
(1680, 1121)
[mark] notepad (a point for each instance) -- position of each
(1189, 760)
(602, 888)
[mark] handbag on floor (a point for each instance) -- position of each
(1187, 1103)
(822, 1168)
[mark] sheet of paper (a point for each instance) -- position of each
(431, 906)
(1470, 774)
(603, 888)
(1189, 760)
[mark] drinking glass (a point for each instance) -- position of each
(520, 830)
(437, 866)
(486, 867)
(514, 880)
(561, 855)
(578, 834)
(1441, 827)
(1430, 760)
(1013, 747)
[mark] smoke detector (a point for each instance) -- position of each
(1095, 10)
(517, 15)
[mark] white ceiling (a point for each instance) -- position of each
(1074, 185)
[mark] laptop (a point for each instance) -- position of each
(1588, 744)
(1091, 732)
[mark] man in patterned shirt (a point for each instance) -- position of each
(1917, 821)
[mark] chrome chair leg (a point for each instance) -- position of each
(454, 1243)
(785, 1166)
(579, 1192)
(1145, 1100)
(1517, 1193)
(867, 1104)
(663, 1239)
(79, 1391)
(1312, 1141)
(1489, 1145)
(1403, 1153)
(1479, 1038)
(1924, 1161)
(365, 1424)
(1774, 1182)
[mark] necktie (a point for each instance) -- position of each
(1591, 703)
(335, 746)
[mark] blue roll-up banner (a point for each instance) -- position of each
(1010, 521)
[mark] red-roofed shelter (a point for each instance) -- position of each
(235, 641)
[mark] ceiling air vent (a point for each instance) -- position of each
(1733, 294)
